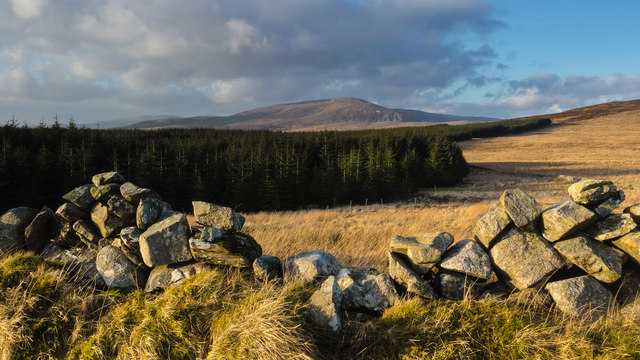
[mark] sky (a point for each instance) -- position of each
(99, 60)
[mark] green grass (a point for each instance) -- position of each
(225, 314)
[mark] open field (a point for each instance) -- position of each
(599, 147)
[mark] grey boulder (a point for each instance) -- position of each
(267, 267)
(20, 216)
(366, 290)
(151, 211)
(230, 249)
(166, 242)
(491, 224)
(611, 227)
(634, 211)
(522, 208)
(133, 193)
(166, 276)
(467, 257)
(41, 230)
(606, 207)
(424, 251)
(581, 296)
(102, 193)
(122, 208)
(87, 233)
(81, 197)
(71, 212)
(564, 218)
(117, 270)
(222, 217)
(107, 222)
(403, 274)
(324, 305)
(310, 266)
(110, 177)
(596, 259)
(590, 191)
(456, 286)
(630, 244)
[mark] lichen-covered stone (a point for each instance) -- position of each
(166, 276)
(230, 249)
(117, 270)
(630, 244)
(133, 193)
(456, 286)
(366, 290)
(524, 258)
(122, 208)
(267, 267)
(150, 211)
(41, 230)
(324, 305)
(564, 218)
(67, 236)
(590, 191)
(87, 233)
(634, 211)
(582, 295)
(20, 216)
(403, 274)
(491, 224)
(423, 250)
(522, 208)
(611, 227)
(166, 242)
(222, 217)
(110, 177)
(467, 257)
(81, 197)
(71, 212)
(102, 193)
(310, 266)
(596, 259)
(11, 239)
(606, 207)
(107, 222)
(130, 244)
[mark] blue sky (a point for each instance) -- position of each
(98, 60)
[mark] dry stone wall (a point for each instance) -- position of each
(580, 254)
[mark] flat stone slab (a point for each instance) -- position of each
(324, 305)
(581, 296)
(590, 191)
(403, 274)
(611, 227)
(133, 193)
(366, 290)
(222, 217)
(110, 177)
(467, 257)
(525, 258)
(81, 197)
(564, 218)
(424, 251)
(491, 224)
(522, 208)
(166, 242)
(88, 233)
(230, 249)
(630, 244)
(166, 276)
(598, 260)
(310, 266)
(71, 212)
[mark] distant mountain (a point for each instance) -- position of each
(123, 122)
(333, 114)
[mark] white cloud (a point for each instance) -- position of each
(224, 91)
(244, 36)
(26, 9)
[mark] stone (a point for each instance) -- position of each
(133, 255)
(630, 244)
(598, 260)
(628, 289)
(267, 267)
(522, 208)
(108, 223)
(41, 230)
(87, 233)
(606, 207)
(166, 276)
(110, 177)
(230, 249)
(456, 286)
(324, 305)
(491, 224)
(404, 275)
(166, 242)
(366, 290)
(581, 296)
(20, 216)
(122, 208)
(634, 211)
(71, 212)
(524, 258)
(81, 262)
(310, 266)
(130, 237)
(117, 270)
(611, 227)
(11, 238)
(223, 217)
(424, 251)
(67, 237)
(133, 193)
(81, 197)
(564, 218)
(104, 192)
(151, 211)
(467, 257)
(590, 191)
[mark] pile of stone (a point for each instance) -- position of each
(116, 234)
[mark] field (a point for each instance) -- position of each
(543, 163)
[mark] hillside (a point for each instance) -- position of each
(334, 114)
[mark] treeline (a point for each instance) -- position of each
(249, 170)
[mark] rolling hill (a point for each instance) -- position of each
(334, 114)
